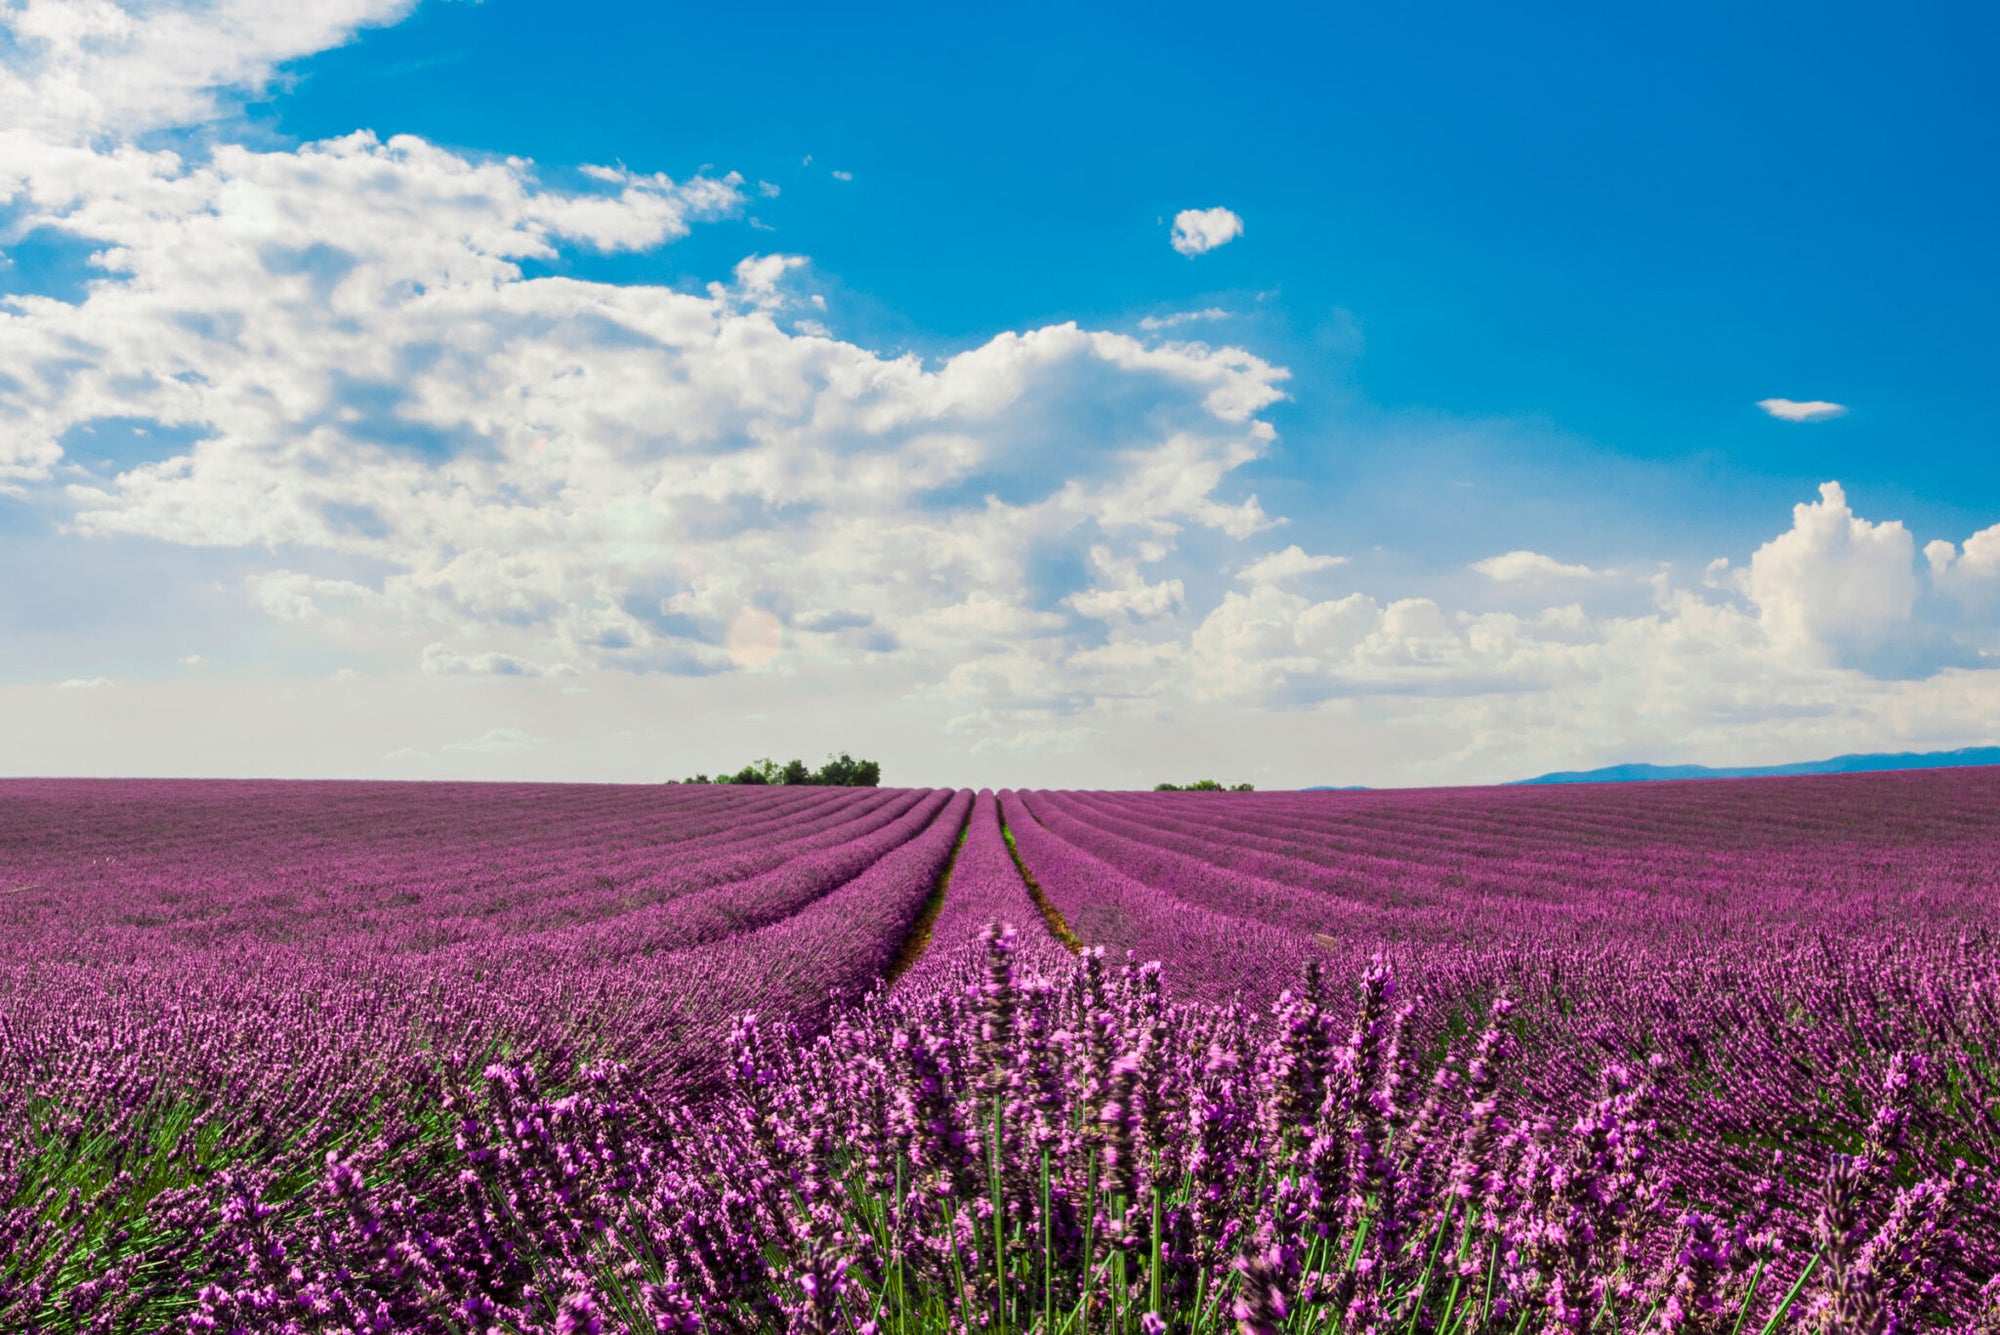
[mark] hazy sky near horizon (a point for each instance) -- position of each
(1069, 396)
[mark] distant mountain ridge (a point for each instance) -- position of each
(1855, 764)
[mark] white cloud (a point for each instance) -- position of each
(348, 368)
(85, 684)
(1970, 575)
(1980, 559)
(1524, 566)
(1810, 410)
(193, 661)
(1175, 319)
(79, 69)
(757, 280)
(1287, 564)
(843, 176)
(1836, 584)
(1120, 591)
(1198, 231)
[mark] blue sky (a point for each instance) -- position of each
(1507, 285)
(1618, 231)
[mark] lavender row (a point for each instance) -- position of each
(1213, 955)
(1199, 882)
(1764, 1029)
(1885, 817)
(171, 1087)
(985, 887)
(1525, 889)
(353, 889)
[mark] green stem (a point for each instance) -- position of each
(1790, 1298)
(1155, 1267)
(1119, 1282)
(1089, 1244)
(999, 1225)
(1756, 1278)
(902, 1289)
(1048, 1253)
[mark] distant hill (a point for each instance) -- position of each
(1971, 755)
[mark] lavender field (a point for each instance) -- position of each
(1705, 1057)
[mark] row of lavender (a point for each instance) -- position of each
(176, 1031)
(1781, 1018)
(1835, 852)
(93, 867)
(472, 1110)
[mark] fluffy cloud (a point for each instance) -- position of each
(1968, 576)
(1523, 566)
(1287, 564)
(1198, 231)
(1836, 586)
(1810, 410)
(1978, 561)
(80, 69)
(1822, 643)
(351, 382)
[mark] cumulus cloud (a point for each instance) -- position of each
(85, 684)
(351, 384)
(1198, 231)
(80, 69)
(1809, 410)
(1821, 643)
(1835, 586)
(1121, 591)
(1967, 576)
(1524, 566)
(1287, 564)
(757, 281)
(1979, 560)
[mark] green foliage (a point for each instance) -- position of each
(1204, 786)
(841, 771)
(844, 771)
